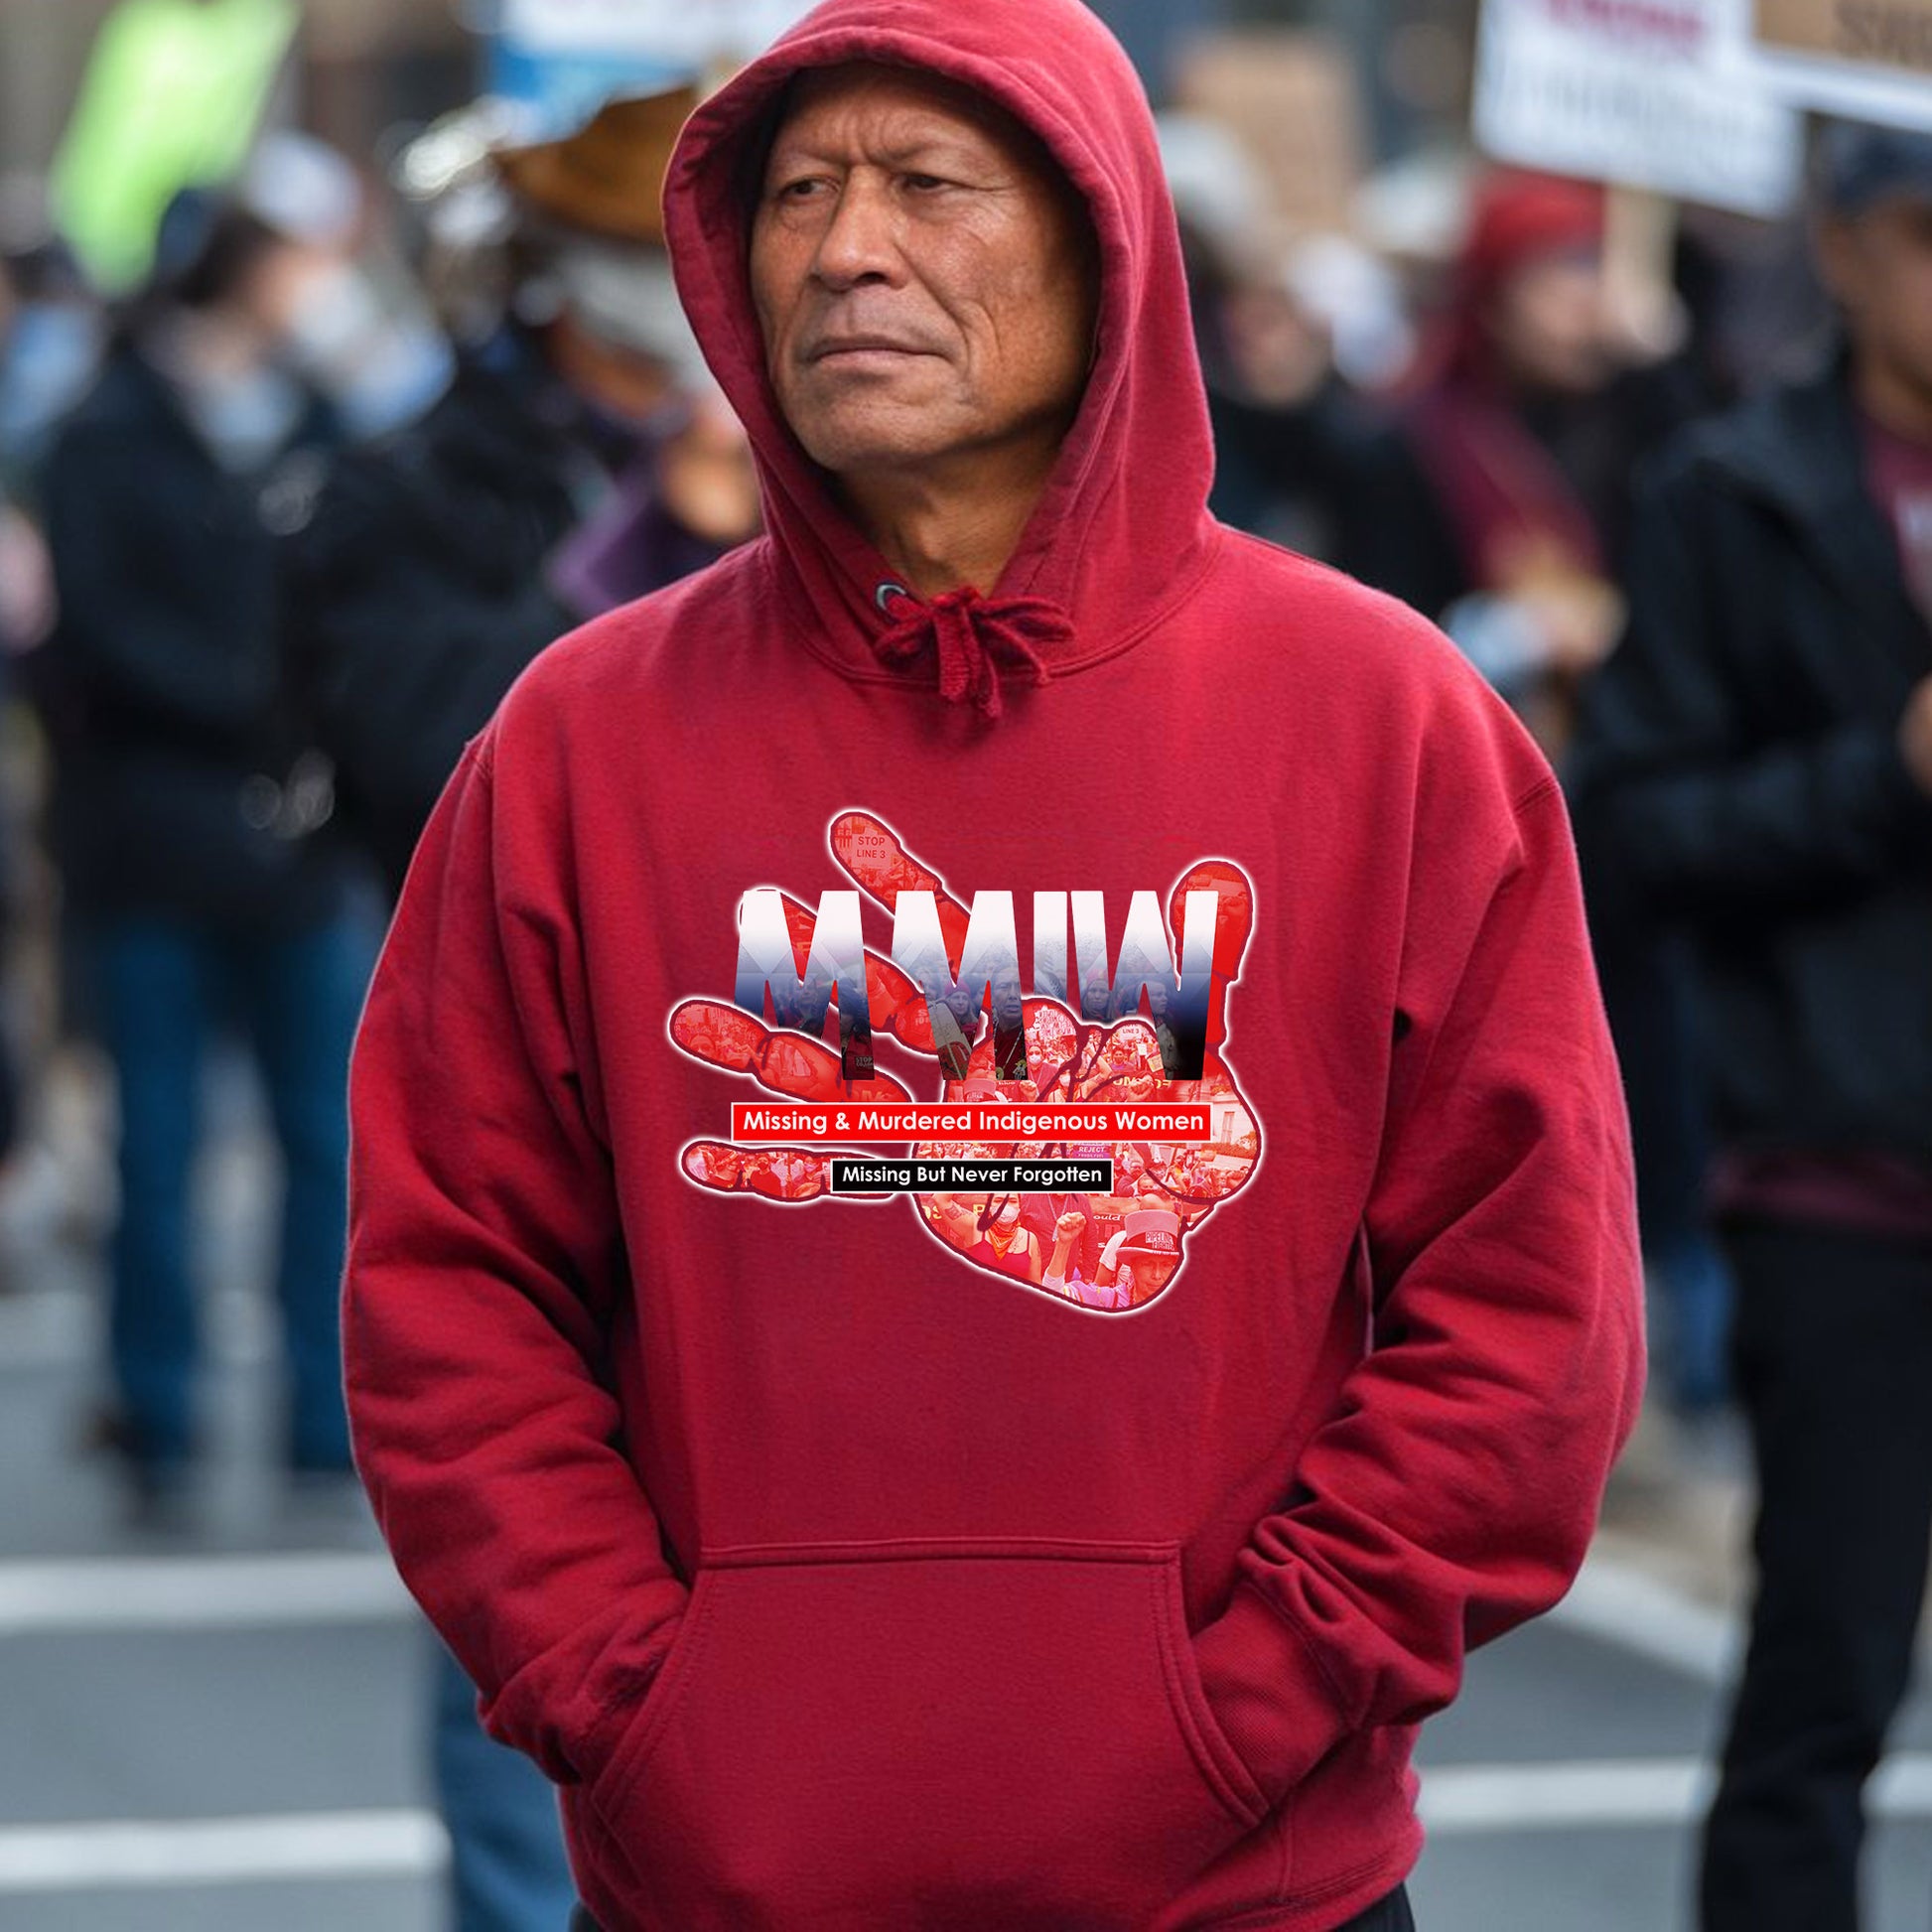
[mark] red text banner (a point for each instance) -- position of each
(758, 1122)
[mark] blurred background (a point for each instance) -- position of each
(341, 370)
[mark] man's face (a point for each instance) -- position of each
(925, 276)
(1880, 267)
(1547, 320)
(1153, 1272)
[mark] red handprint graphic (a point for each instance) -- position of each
(1113, 1252)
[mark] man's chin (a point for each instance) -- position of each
(906, 440)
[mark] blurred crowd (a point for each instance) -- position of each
(284, 518)
(286, 509)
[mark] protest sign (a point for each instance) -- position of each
(1870, 60)
(174, 94)
(678, 33)
(1659, 94)
(560, 61)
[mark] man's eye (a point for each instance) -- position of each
(795, 190)
(926, 183)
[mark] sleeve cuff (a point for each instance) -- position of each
(1271, 1698)
(571, 1734)
(596, 1741)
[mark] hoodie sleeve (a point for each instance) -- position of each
(485, 1260)
(1454, 1490)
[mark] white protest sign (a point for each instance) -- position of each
(1660, 94)
(675, 32)
(1870, 60)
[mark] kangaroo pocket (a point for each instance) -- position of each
(925, 1734)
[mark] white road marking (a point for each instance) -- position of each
(1462, 1800)
(45, 1329)
(1457, 1801)
(299, 1589)
(221, 1851)
(1610, 1601)
(1620, 1604)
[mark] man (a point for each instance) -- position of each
(840, 1578)
(204, 881)
(1758, 760)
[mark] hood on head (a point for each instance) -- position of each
(1122, 530)
(1520, 217)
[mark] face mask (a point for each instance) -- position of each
(336, 312)
(625, 297)
(377, 367)
(243, 419)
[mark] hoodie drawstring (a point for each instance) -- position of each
(971, 632)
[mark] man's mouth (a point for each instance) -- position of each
(840, 347)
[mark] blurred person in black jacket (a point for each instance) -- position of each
(190, 815)
(580, 458)
(1755, 760)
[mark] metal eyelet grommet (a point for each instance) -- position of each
(886, 592)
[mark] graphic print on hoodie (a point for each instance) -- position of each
(838, 1582)
(1148, 1106)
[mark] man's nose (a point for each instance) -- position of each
(861, 238)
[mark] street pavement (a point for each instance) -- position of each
(231, 1732)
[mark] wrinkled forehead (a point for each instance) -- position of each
(905, 105)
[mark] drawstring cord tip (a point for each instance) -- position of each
(970, 634)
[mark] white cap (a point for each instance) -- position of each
(625, 295)
(302, 188)
(1218, 185)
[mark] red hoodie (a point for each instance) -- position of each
(842, 1574)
